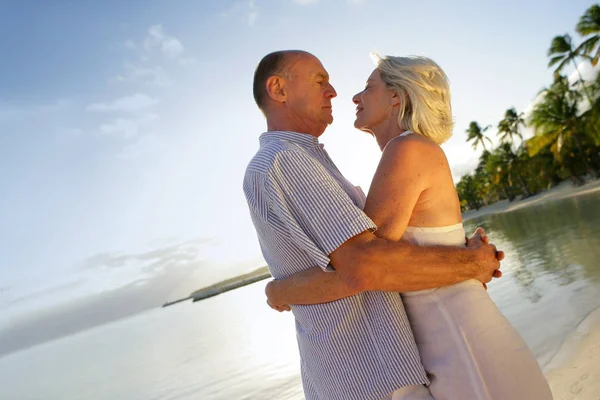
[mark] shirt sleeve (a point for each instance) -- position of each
(310, 204)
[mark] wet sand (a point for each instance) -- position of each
(574, 373)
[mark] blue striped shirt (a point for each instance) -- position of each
(357, 348)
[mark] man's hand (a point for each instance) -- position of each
(488, 257)
(269, 291)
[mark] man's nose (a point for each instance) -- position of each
(355, 98)
(331, 92)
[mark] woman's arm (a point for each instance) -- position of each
(313, 286)
(403, 174)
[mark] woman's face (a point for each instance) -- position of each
(374, 104)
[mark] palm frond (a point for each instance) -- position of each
(554, 60)
(587, 46)
(538, 143)
(590, 21)
(561, 44)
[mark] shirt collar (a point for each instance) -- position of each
(303, 139)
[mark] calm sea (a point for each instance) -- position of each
(234, 347)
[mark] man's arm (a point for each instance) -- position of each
(321, 218)
(366, 262)
(434, 267)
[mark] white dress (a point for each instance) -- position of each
(469, 349)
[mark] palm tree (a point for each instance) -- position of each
(475, 134)
(515, 164)
(497, 169)
(469, 191)
(557, 124)
(589, 24)
(543, 168)
(562, 52)
(508, 128)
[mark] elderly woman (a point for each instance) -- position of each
(467, 346)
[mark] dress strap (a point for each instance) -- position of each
(400, 135)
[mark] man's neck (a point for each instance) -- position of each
(279, 125)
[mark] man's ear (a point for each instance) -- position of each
(276, 88)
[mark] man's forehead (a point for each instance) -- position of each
(309, 63)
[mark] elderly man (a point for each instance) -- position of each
(307, 214)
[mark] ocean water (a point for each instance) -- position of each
(234, 346)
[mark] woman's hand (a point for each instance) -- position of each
(280, 308)
(271, 301)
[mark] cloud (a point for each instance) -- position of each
(170, 46)
(147, 75)
(252, 17)
(305, 2)
(106, 260)
(245, 11)
(136, 102)
(127, 127)
(587, 71)
(253, 14)
(130, 44)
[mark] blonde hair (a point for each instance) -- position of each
(424, 95)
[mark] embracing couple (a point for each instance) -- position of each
(388, 296)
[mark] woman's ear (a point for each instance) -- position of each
(276, 88)
(395, 99)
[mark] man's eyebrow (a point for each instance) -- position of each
(321, 75)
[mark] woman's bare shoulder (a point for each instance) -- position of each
(414, 147)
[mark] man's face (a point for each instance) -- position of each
(309, 94)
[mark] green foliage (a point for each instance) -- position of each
(589, 25)
(566, 124)
(475, 135)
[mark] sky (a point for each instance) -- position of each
(126, 127)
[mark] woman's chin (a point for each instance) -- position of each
(360, 126)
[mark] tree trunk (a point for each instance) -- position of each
(508, 193)
(588, 167)
(585, 89)
(577, 180)
(526, 191)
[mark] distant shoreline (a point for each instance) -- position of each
(563, 190)
(224, 286)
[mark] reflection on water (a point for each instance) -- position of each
(231, 346)
(552, 270)
(234, 347)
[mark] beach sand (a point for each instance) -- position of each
(563, 190)
(574, 372)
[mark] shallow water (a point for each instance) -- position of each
(234, 347)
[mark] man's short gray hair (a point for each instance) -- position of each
(273, 64)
